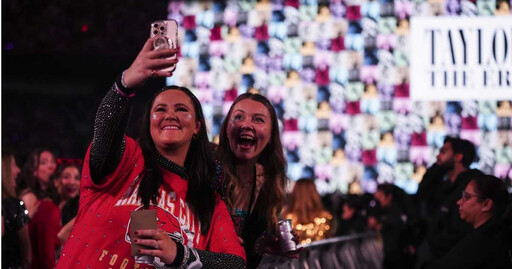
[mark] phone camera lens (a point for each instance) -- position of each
(162, 28)
(155, 25)
(155, 32)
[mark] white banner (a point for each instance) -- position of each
(461, 58)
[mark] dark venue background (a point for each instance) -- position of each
(58, 60)
(339, 74)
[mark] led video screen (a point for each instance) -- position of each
(338, 74)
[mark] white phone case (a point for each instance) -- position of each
(167, 30)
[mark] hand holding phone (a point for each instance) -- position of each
(146, 65)
(167, 32)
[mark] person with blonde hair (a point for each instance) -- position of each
(16, 249)
(310, 219)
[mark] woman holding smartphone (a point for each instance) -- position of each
(168, 169)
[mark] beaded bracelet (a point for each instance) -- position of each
(122, 80)
(122, 93)
(121, 87)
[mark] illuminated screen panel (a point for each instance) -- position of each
(338, 75)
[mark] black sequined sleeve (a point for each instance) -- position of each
(220, 260)
(195, 258)
(108, 142)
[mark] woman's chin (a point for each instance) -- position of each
(71, 195)
(242, 155)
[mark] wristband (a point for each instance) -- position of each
(121, 87)
(122, 80)
(178, 260)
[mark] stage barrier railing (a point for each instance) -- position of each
(361, 251)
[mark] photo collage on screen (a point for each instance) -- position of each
(337, 73)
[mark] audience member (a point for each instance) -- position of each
(393, 226)
(483, 205)
(309, 218)
(352, 221)
(67, 183)
(444, 188)
(40, 197)
(16, 249)
(170, 170)
(253, 172)
(34, 180)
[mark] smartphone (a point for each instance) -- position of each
(167, 31)
(139, 220)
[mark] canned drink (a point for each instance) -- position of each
(286, 237)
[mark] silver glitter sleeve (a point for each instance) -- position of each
(207, 259)
(109, 126)
(192, 258)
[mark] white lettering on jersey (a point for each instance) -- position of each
(167, 202)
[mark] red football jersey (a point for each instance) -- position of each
(100, 237)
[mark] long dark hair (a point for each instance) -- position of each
(491, 187)
(60, 170)
(26, 180)
(199, 165)
(398, 194)
(271, 158)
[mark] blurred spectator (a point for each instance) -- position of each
(40, 194)
(439, 191)
(392, 226)
(34, 181)
(309, 218)
(16, 250)
(483, 204)
(67, 183)
(352, 221)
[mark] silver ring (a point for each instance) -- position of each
(153, 73)
(156, 244)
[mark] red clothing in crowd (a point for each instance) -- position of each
(100, 237)
(43, 228)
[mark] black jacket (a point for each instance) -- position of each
(393, 234)
(447, 228)
(488, 246)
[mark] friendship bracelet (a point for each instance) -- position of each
(186, 256)
(121, 87)
(122, 80)
(122, 93)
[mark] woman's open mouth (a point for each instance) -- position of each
(71, 190)
(246, 141)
